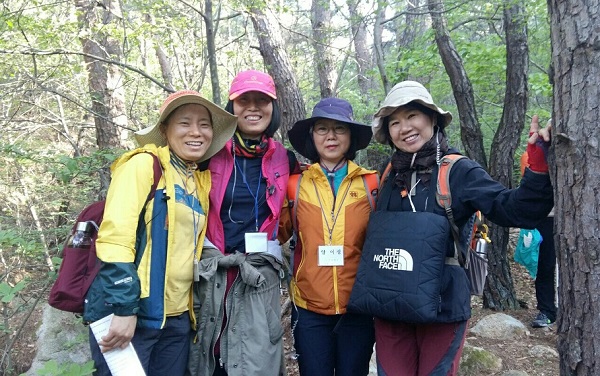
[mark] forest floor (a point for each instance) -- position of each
(515, 354)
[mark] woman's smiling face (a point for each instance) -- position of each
(410, 128)
(189, 131)
(254, 111)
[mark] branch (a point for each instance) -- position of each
(423, 13)
(472, 19)
(539, 67)
(35, 52)
(229, 17)
(197, 10)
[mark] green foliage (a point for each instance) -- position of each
(539, 85)
(52, 368)
(420, 60)
(68, 168)
(19, 242)
(8, 292)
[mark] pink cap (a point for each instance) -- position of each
(252, 80)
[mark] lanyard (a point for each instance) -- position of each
(185, 170)
(254, 195)
(334, 216)
(331, 173)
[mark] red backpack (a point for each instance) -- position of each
(80, 266)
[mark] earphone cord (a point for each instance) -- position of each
(234, 184)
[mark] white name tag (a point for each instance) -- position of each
(256, 242)
(331, 255)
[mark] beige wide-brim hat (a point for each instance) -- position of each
(402, 94)
(224, 123)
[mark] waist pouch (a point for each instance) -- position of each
(400, 272)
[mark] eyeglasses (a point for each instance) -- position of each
(322, 130)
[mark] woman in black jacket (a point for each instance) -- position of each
(408, 342)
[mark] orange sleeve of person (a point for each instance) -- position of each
(524, 162)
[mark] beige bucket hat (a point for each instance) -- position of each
(400, 95)
(224, 123)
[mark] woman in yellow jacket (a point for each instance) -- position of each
(148, 247)
(329, 219)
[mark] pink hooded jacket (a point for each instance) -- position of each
(275, 169)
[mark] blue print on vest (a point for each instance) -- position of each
(191, 201)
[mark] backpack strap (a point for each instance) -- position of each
(444, 199)
(292, 195)
(385, 175)
(371, 182)
(157, 170)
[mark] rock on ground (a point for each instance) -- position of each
(61, 337)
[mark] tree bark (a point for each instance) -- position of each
(378, 46)
(163, 59)
(414, 23)
(212, 51)
(470, 129)
(364, 60)
(321, 29)
(500, 293)
(105, 81)
(575, 171)
(279, 67)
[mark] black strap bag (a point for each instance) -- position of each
(400, 272)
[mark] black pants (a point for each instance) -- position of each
(161, 351)
(330, 345)
(544, 281)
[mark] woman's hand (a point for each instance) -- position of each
(537, 145)
(119, 334)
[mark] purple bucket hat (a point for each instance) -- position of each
(333, 109)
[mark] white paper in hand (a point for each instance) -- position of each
(121, 362)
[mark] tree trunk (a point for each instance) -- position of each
(279, 67)
(363, 56)
(411, 25)
(407, 29)
(575, 171)
(161, 56)
(321, 29)
(378, 46)
(212, 51)
(105, 81)
(470, 129)
(500, 293)
(165, 66)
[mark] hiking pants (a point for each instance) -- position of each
(329, 345)
(544, 281)
(161, 351)
(418, 349)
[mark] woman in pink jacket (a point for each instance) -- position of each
(249, 178)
